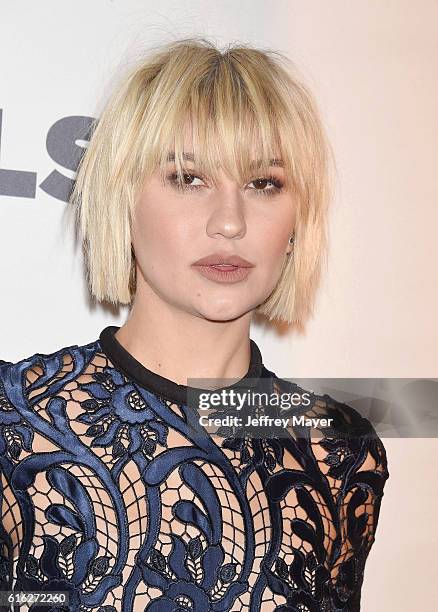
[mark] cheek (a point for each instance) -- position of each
(273, 261)
(159, 242)
(272, 240)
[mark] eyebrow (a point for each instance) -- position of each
(190, 157)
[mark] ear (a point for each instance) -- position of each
(290, 245)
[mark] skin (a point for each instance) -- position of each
(182, 325)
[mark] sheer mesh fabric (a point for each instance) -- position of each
(105, 494)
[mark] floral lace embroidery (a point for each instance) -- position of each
(106, 493)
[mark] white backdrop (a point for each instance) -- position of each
(372, 67)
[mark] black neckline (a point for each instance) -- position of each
(160, 385)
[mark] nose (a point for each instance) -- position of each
(227, 217)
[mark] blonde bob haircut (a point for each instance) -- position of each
(241, 103)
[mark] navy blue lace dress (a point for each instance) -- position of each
(106, 494)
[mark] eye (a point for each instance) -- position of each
(261, 184)
(184, 181)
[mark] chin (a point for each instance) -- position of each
(225, 312)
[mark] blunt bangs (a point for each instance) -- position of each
(246, 109)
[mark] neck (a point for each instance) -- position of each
(180, 345)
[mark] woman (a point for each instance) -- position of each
(201, 201)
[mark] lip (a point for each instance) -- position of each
(223, 258)
(224, 274)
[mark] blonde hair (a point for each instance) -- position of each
(239, 101)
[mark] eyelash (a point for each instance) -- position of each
(177, 184)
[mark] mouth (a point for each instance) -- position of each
(224, 273)
(224, 259)
(226, 266)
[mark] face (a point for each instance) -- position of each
(179, 223)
